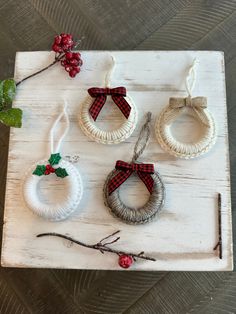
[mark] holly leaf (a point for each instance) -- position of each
(61, 172)
(54, 159)
(39, 171)
(7, 92)
(11, 117)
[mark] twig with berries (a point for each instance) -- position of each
(64, 47)
(125, 259)
(71, 61)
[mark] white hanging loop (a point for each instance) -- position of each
(191, 78)
(109, 73)
(55, 148)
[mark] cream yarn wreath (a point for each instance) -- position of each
(196, 107)
(56, 211)
(107, 137)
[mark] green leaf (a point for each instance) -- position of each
(11, 117)
(61, 172)
(7, 92)
(40, 169)
(54, 159)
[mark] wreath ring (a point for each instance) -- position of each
(107, 137)
(57, 211)
(185, 150)
(131, 215)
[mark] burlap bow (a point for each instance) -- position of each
(198, 104)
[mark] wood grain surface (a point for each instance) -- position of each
(30, 25)
(185, 232)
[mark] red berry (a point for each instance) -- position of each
(125, 261)
(65, 47)
(73, 73)
(67, 41)
(76, 55)
(68, 68)
(48, 167)
(63, 63)
(52, 170)
(56, 48)
(77, 69)
(65, 35)
(57, 40)
(74, 62)
(69, 55)
(46, 172)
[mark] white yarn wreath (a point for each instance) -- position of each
(56, 211)
(163, 126)
(59, 210)
(107, 137)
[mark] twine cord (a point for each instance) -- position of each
(143, 138)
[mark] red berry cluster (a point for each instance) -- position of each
(125, 261)
(49, 169)
(62, 43)
(71, 61)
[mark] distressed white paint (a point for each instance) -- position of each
(183, 236)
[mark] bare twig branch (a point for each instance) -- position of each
(111, 235)
(115, 240)
(98, 246)
(57, 59)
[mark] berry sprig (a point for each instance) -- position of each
(71, 61)
(63, 45)
(125, 260)
(48, 169)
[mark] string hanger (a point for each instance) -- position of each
(110, 71)
(56, 148)
(143, 138)
(191, 77)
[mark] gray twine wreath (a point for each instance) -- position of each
(147, 212)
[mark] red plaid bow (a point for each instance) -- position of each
(117, 95)
(144, 172)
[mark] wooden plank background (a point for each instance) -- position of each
(186, 231)
(30, 25)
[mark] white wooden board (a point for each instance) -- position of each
(183, 236)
